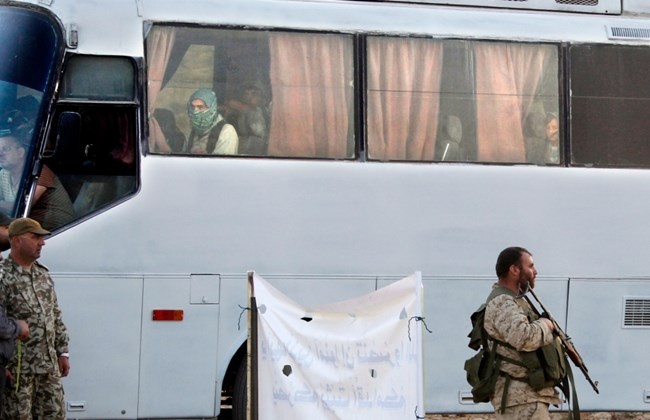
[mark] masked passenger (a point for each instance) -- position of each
(210, 133)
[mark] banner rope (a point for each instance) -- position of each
(420, 319)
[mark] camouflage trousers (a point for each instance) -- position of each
(39, 396)
(531, 411)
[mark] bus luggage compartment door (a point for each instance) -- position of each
(102, 314)
(179, 352)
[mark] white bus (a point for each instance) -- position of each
(374, 139)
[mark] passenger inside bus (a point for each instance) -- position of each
(535, 138)
(542, 138)
(553, 137)
(210, 133)
(51, 204)
(251, 116)
(12, 161)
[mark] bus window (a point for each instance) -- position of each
(99, 78)
(463, 101)
(96, 165)
(255, 93)
(610, 104)
(93, 159)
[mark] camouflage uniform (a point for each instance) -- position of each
(506, 321)
(30, 295)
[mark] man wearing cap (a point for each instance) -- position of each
(27, 292)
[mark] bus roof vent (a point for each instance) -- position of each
(607, 7)
(637, 312)
(616, 32)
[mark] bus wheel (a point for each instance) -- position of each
(239, 393)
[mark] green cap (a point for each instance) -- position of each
(24, 225)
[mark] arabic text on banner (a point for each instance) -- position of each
(361, 358)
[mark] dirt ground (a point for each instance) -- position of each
(554, 416)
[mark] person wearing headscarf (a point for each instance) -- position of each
(210, 134)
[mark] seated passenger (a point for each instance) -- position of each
(12, 162)
(210, 133)
(553, 138)
(251, 123)
(542, 138)
(535, 137)
(51, 205)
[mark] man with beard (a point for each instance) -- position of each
(519, 332)
(210, 133)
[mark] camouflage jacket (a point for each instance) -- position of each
(506, 320)
(30, 295)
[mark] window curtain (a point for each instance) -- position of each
(403, 98)
(507, 76)
(311, 80)
(159, 46)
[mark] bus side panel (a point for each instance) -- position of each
(179, 358)
(104, 357)
(616, 355)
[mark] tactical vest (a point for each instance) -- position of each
(546, 367)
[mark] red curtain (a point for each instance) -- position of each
(507, 76)
(312, 82)
(403, 98)
(159, 46)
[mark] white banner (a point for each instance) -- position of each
(357, 359)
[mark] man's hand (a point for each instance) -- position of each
(549, 323)
(64, 365)
(23, 329)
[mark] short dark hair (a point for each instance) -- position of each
(507, 258)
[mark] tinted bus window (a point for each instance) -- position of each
(463, 101)
(255, 93)
(99, 78)
(610, 104)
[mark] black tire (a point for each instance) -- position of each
(239, 399)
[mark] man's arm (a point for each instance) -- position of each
(506, 321)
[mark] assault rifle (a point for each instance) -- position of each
(569, 348)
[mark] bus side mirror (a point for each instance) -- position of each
(68, 134)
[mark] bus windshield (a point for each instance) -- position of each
(30, 54)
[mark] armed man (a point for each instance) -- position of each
(530, 359)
